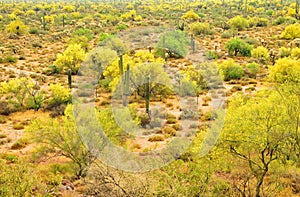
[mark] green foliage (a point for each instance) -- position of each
(104, 36)
(61, 136)
(17, 179)
(84, 32)
(17, 27)
(83, 41)
(175, 42)
(253, 69)
(260, 52)
(291, 32)
(10, 59)
(33, 30)
(71, 58)
(122, 27)
(238, 23)
(285, 20)
(238, 46)
(231, 70)
(200, 28)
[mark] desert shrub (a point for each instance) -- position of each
(284, 52)
(170, 131)
(238, 23)
(231, 70)
(296, 53)
(291, 32)
(17, 27)
(18, 126)
(238, 46)
(122, 27)
(2, 135)
(260, 52)
(84, 32)
(269, 12)
(252, 69)
(144, 119)
(81, 40)
(191, 15)
(20, 144)
(188, 114)
(59, 95)
(200, 28)
(211, 55)
(171, 120)
(251, 41)
(227, 34)
(33, 30)
(104, 36)
(10, 59)
(156, 138)
(288, 20)
(258, 22)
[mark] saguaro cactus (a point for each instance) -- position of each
(147, 94)
(193, 43)
(126, 85)
(63, 20)
(70, 78)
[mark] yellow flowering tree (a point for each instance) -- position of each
(71, 58)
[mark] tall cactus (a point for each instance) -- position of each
(193, 43)
(121, 67)
(126, 85)
(70, 78)
(147, 94)
(63, 20)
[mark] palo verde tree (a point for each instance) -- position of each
(237, 46)
(255, 131)
(71, 58)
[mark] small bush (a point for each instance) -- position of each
(291, 32)
(260, 52)
(284, 52)
(237, 46)
(253, 69)
(171, 120)
(156, 138)
(83, 32)
(20, 144)
(231, 70)
(296, 53)
(17, 27)
(170, 131)
(227, 34)
(18, 127)
(2, 135)
(238, 23)
(33, 30)
(201, 28)
(122, 27)
(10, 59)
(211, 55)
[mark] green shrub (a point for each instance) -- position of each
(288, 20)
(269, 12)
(211, 55)
(291, 32)
(231, 70)
(10, 59)
(18, 126)
(2, 135)
(258, 22)
(227, 34)
(260, 52)
(284, 52)
(122, 27)
(238, 46)
(238, 23)
(83, 32)
(33, 30)
(253, 69)
(200, 28)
